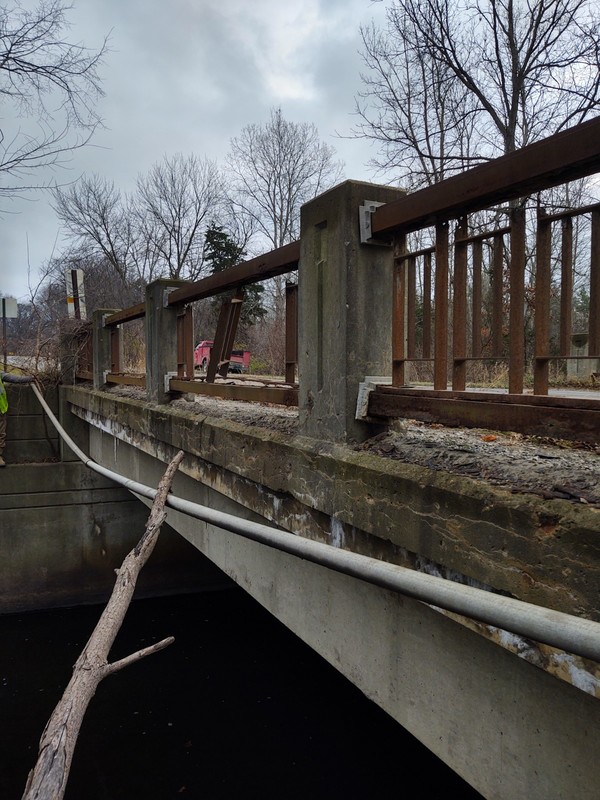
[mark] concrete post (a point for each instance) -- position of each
(101, 346)
(345, 310)
(161, 339)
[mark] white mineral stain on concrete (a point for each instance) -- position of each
(337, 533)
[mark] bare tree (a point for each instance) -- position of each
(174, 204)
(275, 168)
(96, 222)
(50, 774)
(513, 72)
(51, 84)
(422, 119)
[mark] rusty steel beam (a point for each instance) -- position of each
(427, 305)
(516, 310)
(569, 213)
(440, 322)
(569, 419)
(594, 315)
(185, 342)
(291, 332)
(476, 315)
(399, 313)
(115, 349)
(570, 154)
(560, 401)
(220, 353)
(126, 315)
(269, 265)
(411, 307)
(497, 319)
(481, 237)
(425, 251)
(566, 286)
(543, 287)
(284, 396)
(459, 307)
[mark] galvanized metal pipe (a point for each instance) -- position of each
(557, 629)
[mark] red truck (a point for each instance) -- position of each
(239, 361)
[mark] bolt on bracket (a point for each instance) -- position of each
(168, 377)
(365, 213)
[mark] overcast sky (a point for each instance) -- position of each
(186, 76)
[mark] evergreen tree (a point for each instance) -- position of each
(221, 252)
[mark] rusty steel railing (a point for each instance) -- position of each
(462, 299)
(182, 297)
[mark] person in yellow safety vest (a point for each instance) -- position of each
(9, 377)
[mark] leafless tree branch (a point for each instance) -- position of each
(48, 778)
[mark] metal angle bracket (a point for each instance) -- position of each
(166, 292)
(365, 388)
(167, 379)
(365, 212)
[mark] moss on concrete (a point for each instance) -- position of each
(542, 551)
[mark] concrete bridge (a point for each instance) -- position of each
(515, 716)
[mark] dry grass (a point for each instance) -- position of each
(494, 375)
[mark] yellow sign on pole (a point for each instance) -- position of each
(75, 293)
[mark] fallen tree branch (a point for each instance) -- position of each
(48, 778)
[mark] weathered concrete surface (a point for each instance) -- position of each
(161, 338)
(543, 552)
(63, 532)
(30, 436)
(344, 292)
(507, 727)
(64, 529)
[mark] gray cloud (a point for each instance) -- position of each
(186, 76)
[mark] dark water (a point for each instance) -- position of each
(237, 707)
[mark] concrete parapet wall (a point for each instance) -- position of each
(30, 436)
(515, 544)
